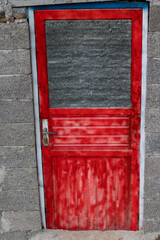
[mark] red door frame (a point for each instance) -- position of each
(135, 15)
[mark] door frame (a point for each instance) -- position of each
(116, 5)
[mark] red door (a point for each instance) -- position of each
(91, 163)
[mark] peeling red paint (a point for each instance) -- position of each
(91, 168)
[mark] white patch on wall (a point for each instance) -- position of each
(2, 174)
(6, 225)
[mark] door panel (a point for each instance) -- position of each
(89, 78)
(90, 192)
(86, 121)
(91, 132)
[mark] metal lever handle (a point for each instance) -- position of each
(49, 132)
(46, 132)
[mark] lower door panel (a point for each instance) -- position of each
(91, 192)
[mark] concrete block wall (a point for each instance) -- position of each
(19, 196)
(152, 159)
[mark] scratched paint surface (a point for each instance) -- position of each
(95, 191)
(91, 166)
(90, 132)
(91, 193)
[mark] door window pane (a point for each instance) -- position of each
(89, 63)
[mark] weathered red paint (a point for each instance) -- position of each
(91, 168)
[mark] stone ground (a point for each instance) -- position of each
(94, 235)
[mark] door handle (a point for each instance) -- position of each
(45, 132)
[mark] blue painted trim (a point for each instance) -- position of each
(98, 5)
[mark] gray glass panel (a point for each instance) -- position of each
(89, 63)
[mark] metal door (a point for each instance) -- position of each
(90, 116)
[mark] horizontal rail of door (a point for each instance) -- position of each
(90, 147)
(80, 121)
(104, 139)
(97, 130)
(90, 153)
(91, 111)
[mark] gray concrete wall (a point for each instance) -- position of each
(19, 197)
(18, 3)
(152, 159)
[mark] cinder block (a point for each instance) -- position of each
(20, 179)
(154, 2)
(20, 111)
(22, 220)
(31, 235)
(154, 45)
(16, 87)
(153, 71)
(21, 3)
(153, 96)
(152, 166)
(152, 210)
(15, 62)
(154, 19)
(19, 157)
(152, 144)
(14, 36)
(151, 226)
(152, 189)
(18, 235)
(17, 134)
(153, 120)
(19, 13)
(19, 200)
